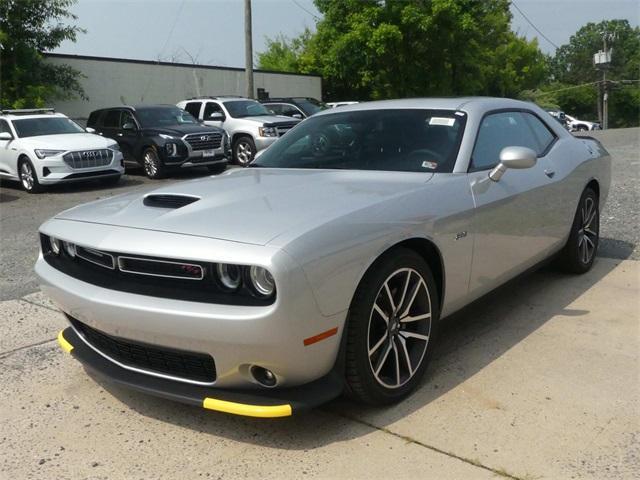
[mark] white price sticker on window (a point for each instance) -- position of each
(448, 122)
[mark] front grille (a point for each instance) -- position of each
(283, 128)
(204, 141)
(194, 366)
(89, 158)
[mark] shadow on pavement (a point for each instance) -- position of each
(468, 342)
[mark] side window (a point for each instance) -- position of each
(125, 118)
(543, 135)
(497, 131)
(275, 108)
(93, 119)
(210, 108)
(112, 119)
(4, 127)
(193, 108)
(290, 110)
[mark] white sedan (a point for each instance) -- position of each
(41, 147)
(576, 125)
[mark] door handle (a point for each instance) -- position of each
(549, 173)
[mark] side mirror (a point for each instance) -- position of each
(215, 117)
(297, 115)
(513, 157)
(129, 126)
(90, 130)
(5, 136)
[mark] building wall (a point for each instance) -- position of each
(112, 82)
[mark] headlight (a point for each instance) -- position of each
(70, 248)
(114, 146)
(48, 153)
(268, 131)
(171, 149)
(230, 276)
(55, 245)
(262, 281)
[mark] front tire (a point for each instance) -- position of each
(244, 151)
(391, 328)
(581, 248)
(153, 167)
(28, 177)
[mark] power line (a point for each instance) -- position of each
(309, 12)
(568, 88)
(532, 24)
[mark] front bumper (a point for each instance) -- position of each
(263, 142)
(264, 403)
(52, 170)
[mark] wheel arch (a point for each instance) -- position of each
(237, 135)
(594, 185)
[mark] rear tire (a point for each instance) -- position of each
(152, 165)
(578, 254)
(28, 177)
(386, 359)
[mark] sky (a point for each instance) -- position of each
(211, 32)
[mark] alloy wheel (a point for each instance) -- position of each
(244, 153)
(399, 328)
(27, 176)
(588, 233)
(150, 165)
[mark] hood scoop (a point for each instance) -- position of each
(169, 200)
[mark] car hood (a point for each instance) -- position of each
(180, 130)
(272, 119)
(253, 205)
(68, 141)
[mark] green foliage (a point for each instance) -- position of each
(283, 54)
(27, 28)
(366, 49)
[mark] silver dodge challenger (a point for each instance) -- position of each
(328, 264)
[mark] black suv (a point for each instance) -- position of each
(296, 107)
(161, 137)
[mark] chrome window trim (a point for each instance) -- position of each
(141, 370)
(113, 262)
(125, 257)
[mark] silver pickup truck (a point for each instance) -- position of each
(249, 124)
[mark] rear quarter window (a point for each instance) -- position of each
(193, 108)
(93, 118)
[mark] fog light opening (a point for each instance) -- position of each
(263, 376)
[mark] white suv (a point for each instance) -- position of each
(41, 147)
(250, 125)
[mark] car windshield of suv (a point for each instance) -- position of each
(35, 127)
(164, 117)
(246, 108)
(403, 140)
(310, 105)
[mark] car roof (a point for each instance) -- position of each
(467, 104)
(9, 116)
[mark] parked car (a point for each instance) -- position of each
(162, 137)
(576, 125)
(296, 107)
(250, 126)
(340, 104)
(560, 117)
(40, 147)
(332, 261)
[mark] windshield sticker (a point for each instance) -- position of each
(442, 121)
(429, 165)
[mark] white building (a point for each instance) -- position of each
(110, 82)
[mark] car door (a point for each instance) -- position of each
(211, 108)
(513, 226)
(128, 135)
(7, 153)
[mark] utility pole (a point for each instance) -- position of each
(602, 61)
(248, 49)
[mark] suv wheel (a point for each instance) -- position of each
(152, 165)
(28, 177)
(244, 149)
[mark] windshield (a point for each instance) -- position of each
(407, 140)
(34, 127)
(310, 105)
(164, 117)
(246, 108)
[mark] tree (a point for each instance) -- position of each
(283, 54)
(28, 28)
(396, 49)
